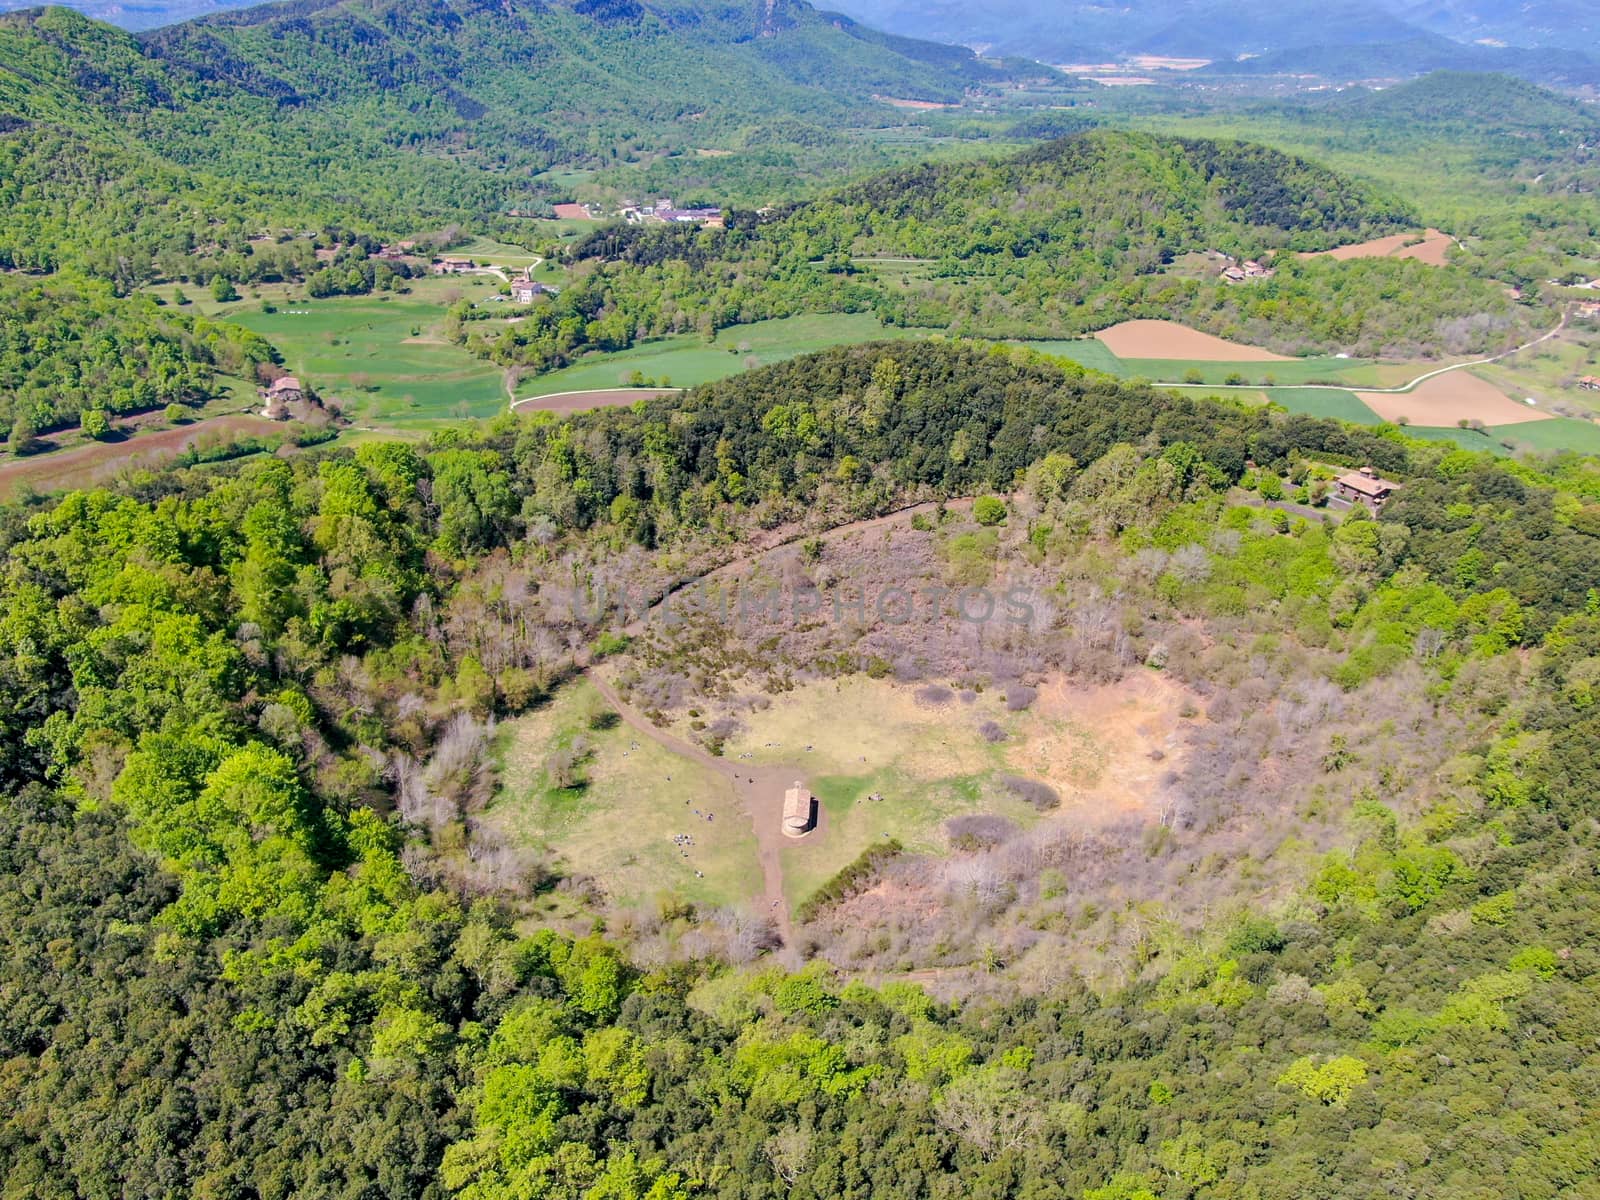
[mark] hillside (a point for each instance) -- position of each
(1063, 239)
(1456, 105)
(1411, 56)
(400, 116)
(1297, 41)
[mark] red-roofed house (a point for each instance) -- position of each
(1366, 487)
(279, 394)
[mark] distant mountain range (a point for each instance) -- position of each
(396, 112)
(1545, 41)
(1551, 41)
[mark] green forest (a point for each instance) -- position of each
(227, 972)
(297, 728)
(69, 350)
(1061, 240)
(130, 156)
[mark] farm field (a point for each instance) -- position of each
(620, 825)
(500, 254)
(1549, 372)
(1094, 354)
(380, 356)
(92, 463)
(687, 360)
(563, 403)
(1558, 433)
(1449, 399)
(1170, 340)
(1325, 402)
(1433, 248)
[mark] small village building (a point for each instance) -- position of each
(1590, 383)
(452, 265)
(1365, 486)
(524, 291)
(278, 395)
(799, 811)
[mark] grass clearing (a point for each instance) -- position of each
(930, 762)
(1466, 439)
(1321, 402)
(1558, 433)
(688, 359)
(619, 828)
(1086, 352)
(499, 254)
(380, 355)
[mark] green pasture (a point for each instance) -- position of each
(380, 355)
(1560, 433)
(688, 359)
(1325, 402)
(1086, 352)
(499, 254)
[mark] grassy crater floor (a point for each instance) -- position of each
(618, 828)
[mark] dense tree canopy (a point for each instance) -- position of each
(221, 977)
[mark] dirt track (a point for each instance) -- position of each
(759, 789)
(563, 403)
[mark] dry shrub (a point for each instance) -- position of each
(934, 695)
(1019, 697)
(990, 731)
(1031, 791)
(978, 831)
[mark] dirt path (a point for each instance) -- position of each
(758, 789)
(766, 541)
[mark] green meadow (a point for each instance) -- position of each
(688, 359)
(381, 355)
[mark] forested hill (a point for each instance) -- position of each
(1467, 106)
(228, 970)
(394, 114)
(1064, 238)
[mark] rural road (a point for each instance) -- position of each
(1404, 388)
